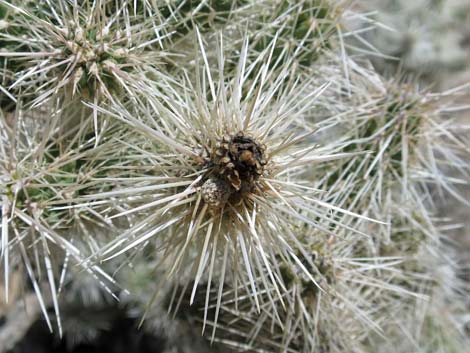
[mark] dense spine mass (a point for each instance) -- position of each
(234, 163)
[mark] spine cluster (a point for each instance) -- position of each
(229, 169)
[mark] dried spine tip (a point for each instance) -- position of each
(239, 159)
(235, 164)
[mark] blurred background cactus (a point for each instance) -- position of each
(218, 176)
(427, 38)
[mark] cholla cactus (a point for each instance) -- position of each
(41, 174)
(226, 184)
(91, 49)
(243, 171)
